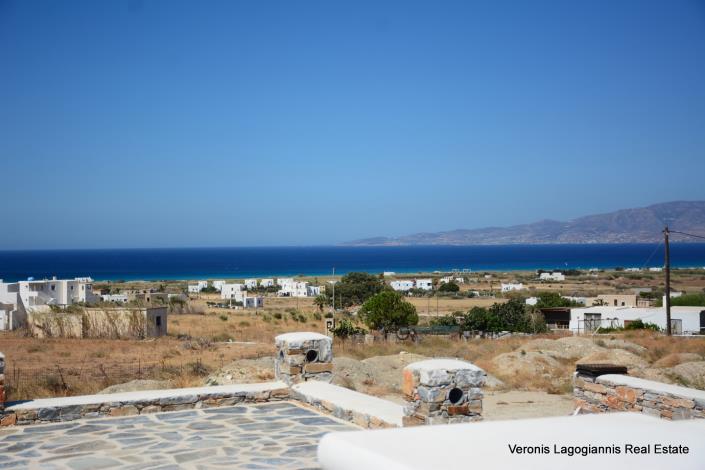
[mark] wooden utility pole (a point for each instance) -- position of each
(333, 280)
(667, 268)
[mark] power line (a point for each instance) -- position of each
(688, 234)
(652, 254)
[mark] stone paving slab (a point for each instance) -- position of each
(252, 436)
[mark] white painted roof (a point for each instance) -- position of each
(442, 364)
(485, 445)
(351, 400)
(300, 336)
(651, 385)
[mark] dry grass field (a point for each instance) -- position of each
(200, 343)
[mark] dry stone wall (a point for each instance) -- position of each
(624, 393)
(303, 356)
(207, 397)
(441, 391)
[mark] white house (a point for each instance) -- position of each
(313, 291)
(684, 320)
(250, 284)
(231, 291)
(532, 301)
(266, 283)
(218, 285)
(193, 288)
(284, 280)
(402, 285)
(554, 276)
(114, 298)
(512, 287)
(446, 279)
(17, 297)
(252, 302)
(460, 280)
(633, 270)
(298, 289)
(656, 269)
(425, 284)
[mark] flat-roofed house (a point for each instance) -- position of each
(684, 320)
(402, 285)
(231, 291)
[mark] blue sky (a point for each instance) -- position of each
(165, 123)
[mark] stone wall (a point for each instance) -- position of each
(442, 391)
(624, 393)
(135, 403)
(303, 356)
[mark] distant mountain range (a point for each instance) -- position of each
(641, 225)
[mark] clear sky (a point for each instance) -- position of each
(165, 123)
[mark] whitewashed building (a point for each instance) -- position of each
(403, 285)
(531, 301)
(218, 285)
(684, 320)
(193, 288)
(424, 284)
(298, 289)
(252, 302)
(17, 297)
(511, 286)
(250, 284)
(115, 298)
(231, 291)
(266, 283)
(281, 281)
(554, 276)
(446, 279)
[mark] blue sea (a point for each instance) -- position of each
(200, 263)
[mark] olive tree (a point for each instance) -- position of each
(389, 311)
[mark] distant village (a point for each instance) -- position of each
(38, 304)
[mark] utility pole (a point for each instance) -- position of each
(667, 268)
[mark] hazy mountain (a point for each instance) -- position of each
(644, 224)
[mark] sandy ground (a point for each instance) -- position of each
(517, 404)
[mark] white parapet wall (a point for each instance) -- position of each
(537, 444)
(364, 410)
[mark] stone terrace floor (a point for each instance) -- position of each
(262, 436)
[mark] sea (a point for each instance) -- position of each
(243, 262)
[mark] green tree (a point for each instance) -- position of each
(354, 289)
(389, 311)
(449, 287)
(346, 328)
(321, 301)
(553, 300)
